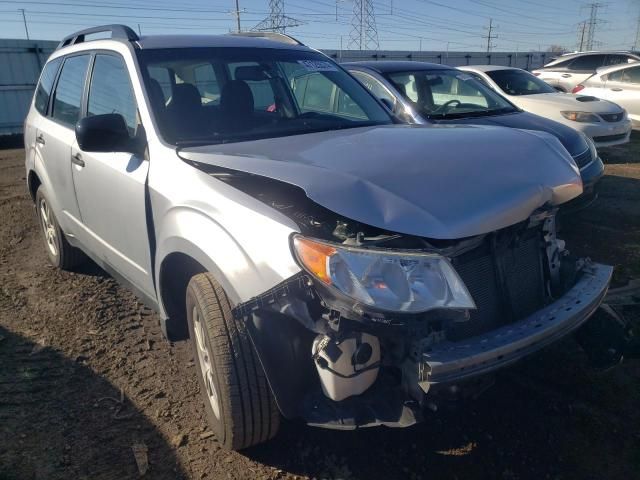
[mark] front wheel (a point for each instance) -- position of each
(61, 254)
(239, 404)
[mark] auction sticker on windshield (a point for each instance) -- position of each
(318, 66)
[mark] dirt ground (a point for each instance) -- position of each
(85, 375)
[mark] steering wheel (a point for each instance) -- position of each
(445, 106)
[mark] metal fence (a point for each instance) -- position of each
(22, 60)
(526, 60)
(20, 65)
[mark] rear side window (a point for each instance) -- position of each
(262, 91)
(111, 91)
(626, 75)
(207, 84)
(68, 95)
(43, 92)
(588, 62)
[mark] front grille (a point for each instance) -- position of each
(506, 283)
(583, 159)
(610, 138)
(611, 117)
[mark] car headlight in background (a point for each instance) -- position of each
(385, 279)
(581, 116)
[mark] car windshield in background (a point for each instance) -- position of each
(519, 82)
(448, 94)
(221, 95)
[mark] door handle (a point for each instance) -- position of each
(77, 159)
(566, 75)
(616, 89)
(40, 139)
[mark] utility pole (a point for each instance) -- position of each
(24, 19)
(364, 32)
(236, 13)
(277, 21)
(139, 30)
(490, 35)
(636, 44)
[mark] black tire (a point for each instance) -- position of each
(61, 254)
(247, 412)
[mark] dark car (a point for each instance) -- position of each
(427, 93)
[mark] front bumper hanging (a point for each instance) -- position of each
(456, 361)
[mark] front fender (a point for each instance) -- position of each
(241, 267)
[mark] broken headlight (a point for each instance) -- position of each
(385, 279)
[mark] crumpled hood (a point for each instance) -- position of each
(438, 182)
(570, 138)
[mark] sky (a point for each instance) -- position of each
(437, 25)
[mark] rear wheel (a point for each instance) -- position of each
(61, 254)
(239, 404)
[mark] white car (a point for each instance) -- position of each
(619, 84)
(604, 122)
(571, 69)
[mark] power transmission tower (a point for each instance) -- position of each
(582, 28)
(364, 33)
(277, 21)
(592, 23)
(490, 36)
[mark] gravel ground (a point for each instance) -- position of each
(85, 376)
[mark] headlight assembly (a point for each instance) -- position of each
(384, 279)
(585, 117)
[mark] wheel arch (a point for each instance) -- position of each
(33, 182)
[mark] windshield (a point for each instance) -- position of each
(519, 82)
(448, 94)
(221, 95)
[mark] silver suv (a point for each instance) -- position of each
(326, 263)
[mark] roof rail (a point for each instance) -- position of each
(117, 31)
(276, 37)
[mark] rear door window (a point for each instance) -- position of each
(588, 63)
(625, 75)
(263, 96)
(68, 94)
(111, 92)
(43, 92)
(206, 83)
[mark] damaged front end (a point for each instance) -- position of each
(376, 320)
(422, 264)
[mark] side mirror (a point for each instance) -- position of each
(107, 133)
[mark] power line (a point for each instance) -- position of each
(364, 32)
(277, 21)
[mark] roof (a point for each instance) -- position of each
(195, 41)
(592, 52)
(487, 68)
(125, 35)
(390, 66)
